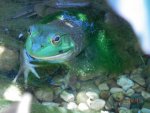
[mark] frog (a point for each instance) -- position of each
(58, 41)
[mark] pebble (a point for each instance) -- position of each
(112, 83)
(146, 95)
(145, 110)
(124, 82)
(97, 104)
(104, 111)
(8, 59)
(92, 95)
(137, 88)
(129, 92)
(68, 97)
(137, 101)
(13, 93)
(119, 96)
(44, 94)
(138, 79)
(137, 71)
(104, 94)
(103, 86)
(89, 86)
(115, 90)
(110, 103)
(83, 107)
(126, 103)
(72, 105)
(81, 97)
(50, 104)
(124, 110)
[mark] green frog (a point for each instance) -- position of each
(70, 39)
(58, 41)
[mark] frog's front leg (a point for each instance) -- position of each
(25, 67)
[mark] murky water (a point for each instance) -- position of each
(87, 83)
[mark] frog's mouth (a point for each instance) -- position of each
(56, 58)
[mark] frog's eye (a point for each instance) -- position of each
(56, 39)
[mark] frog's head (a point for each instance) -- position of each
(50, 43)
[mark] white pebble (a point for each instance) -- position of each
(125, 83)
(97, 104)
(115, 90)
(83, 107)
(13, 93)
(68, 97)
(92, 95)
(71, 105)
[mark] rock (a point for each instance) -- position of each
(146, 95)
(137, 71)
(84, 76)
(8, 59)
(105, 111)
(100, 80)
(138, 79)
(145, 110)
(72, 105)
(83, 107)
(112, 83)
(52, 104)
(124, 82)
(129, 92)
(97, 104)
(68, 97)
(13, 93)
(81, 97)
(137, 101)
(103, 86)
(89, 86)
(115, 90)
(104, 94)
(126, 103)
(119, 96)
(110, 103)
(137, 88)
(92, 95)
(124, 110)
(44, 94)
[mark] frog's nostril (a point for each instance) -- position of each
(60, 51)
(42, 46)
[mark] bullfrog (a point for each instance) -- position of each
(58, 41)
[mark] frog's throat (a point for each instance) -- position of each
(61, 57)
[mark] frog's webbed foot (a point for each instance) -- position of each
(25, 67)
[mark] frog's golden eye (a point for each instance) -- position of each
(56, 39)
